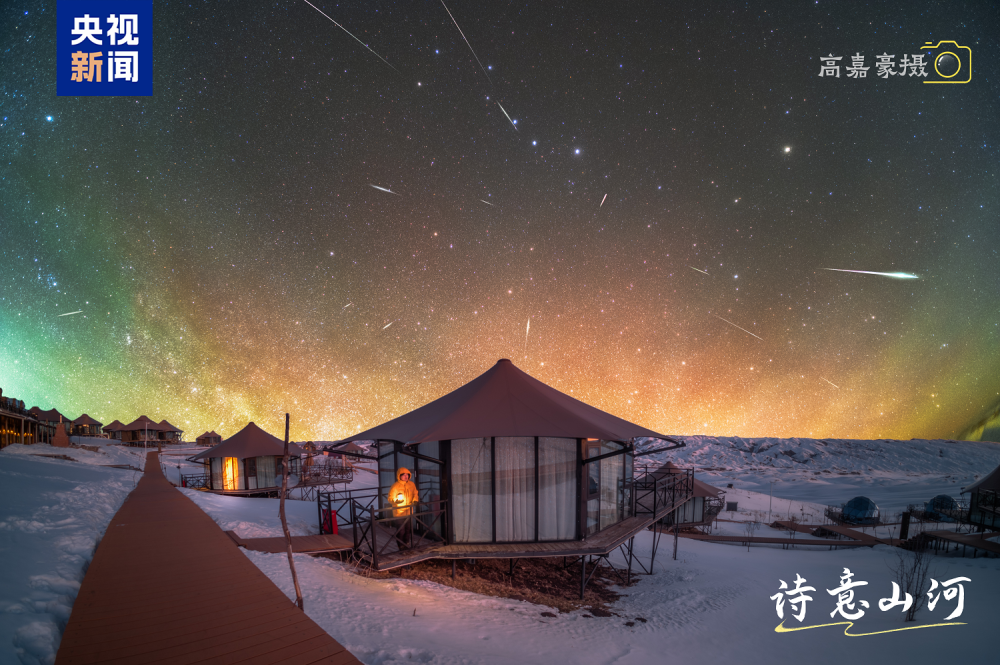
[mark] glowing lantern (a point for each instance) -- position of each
(400, 499)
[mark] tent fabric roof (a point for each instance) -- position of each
(142, 422)
(504, 401)
(50, 416)
(212, 434)
(86, 420)
(701, 488)
(168, 427)
(251, 441)
(990, 481)
(114, 426)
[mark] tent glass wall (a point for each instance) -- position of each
(557, 482)
(472, 489)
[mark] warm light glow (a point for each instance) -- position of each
(400, 498)
(230, 473)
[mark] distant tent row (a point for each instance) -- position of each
(143, 429)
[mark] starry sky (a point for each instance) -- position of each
(635, 204)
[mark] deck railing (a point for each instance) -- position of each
(197, 481)
(378, 531)
(653, 493)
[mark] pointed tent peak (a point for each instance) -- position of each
(113, 426)
(169, 427)
(505, 401)
(86, 420)
(251, 441)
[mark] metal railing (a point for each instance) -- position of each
(655, 492)
(378, 531)
(197, 481)
(325, 474)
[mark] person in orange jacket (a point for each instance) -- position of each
(403, 493)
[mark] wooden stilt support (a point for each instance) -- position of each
(583, 575)
(452, 569)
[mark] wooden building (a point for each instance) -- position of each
(19, 425)
(507, 467)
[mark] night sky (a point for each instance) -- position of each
(678, 178)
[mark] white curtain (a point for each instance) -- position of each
(265, 471)
(557, 481)
(472, 490)
(515, 473)
(216, 470)
(612, 469)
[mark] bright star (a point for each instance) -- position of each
(788, 148)
(49, 118)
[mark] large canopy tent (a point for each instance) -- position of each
(170, 433)
(114, 429)
(86, 426)
(984, 502)
(249, 460)
(509, 459)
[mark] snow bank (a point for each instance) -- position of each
(53, 512)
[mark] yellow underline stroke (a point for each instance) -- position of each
(780, 628)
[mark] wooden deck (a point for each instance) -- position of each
(601, 543)
(300, 544)
(977, 541)
(168, 586)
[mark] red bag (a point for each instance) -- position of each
(330, 521)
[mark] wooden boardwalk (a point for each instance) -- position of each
(168, 586)
(977, 541)
(769, 540)
(300, 544)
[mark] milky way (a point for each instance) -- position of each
(678, 177)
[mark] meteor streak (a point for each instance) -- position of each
(347, 305)
(602, 200)
(831, 383)
(467, 42)
(526, 331)
(734, 325)
(352, 36)
(70, 313)
(508, 117)
(388, 324)
(894, 275)
(701, 271)
(382, 189)
(486, 202)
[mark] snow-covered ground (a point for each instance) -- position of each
(53, 512)
(712, 604)
(892, 473)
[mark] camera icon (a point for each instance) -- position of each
(952, 63)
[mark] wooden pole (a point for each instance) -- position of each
(284, 522)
